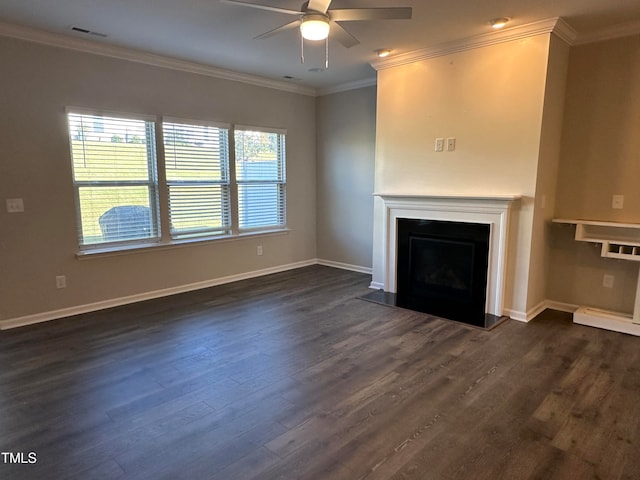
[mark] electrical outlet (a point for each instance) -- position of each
(607, 281)
(61, 281)
(259, 250)
(439, 145)
(15, 205)
(617, 201)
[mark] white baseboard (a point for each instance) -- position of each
(535, 311)
(538, 309)
(344, 266)
(515, 315)
(614, 321)
(116, 302)
(561, 306)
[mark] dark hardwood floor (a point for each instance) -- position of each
(291, 376)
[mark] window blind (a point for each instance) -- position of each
(260, 176)
(197, 171)
(114, 173)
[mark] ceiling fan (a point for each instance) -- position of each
(316, 20)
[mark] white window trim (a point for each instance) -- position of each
(192, 121)
(189, 242)
(111, 113)
(166, 183)
(165, 241)
(236, 221)
(155, 184)
(255, 128)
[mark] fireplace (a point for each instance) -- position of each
(487, 216)
(442, 268)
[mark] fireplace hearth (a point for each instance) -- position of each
(391, 300)
(442, 270)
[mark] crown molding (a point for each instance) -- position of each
(367, 82)
(552, 25)
(564, 31)
(615, 31)
(64, 41)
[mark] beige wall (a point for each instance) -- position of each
(600, 158)
(346, 141)
(549, 159)
(601, 137)
(491, 99)
(503, 103)
(36, 84)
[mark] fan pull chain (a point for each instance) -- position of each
(301, 49)
(326, 53)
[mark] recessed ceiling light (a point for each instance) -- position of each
(383, 52)
(499, 22)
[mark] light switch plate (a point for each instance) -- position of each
(451, 144)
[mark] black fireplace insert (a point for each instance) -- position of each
(442, 268)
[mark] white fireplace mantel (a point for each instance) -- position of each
(491, 210)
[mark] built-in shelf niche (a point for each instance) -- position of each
(620, 241)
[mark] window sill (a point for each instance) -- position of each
(190, 242)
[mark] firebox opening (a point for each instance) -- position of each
(442, 268)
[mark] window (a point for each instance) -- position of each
(201, 184)
(114, 175)
(260, 176)
(197, 170)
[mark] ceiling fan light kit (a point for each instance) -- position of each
(314, 26)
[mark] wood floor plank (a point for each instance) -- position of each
(291, 376)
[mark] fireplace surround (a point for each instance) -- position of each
(491, 212)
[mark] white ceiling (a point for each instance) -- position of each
(221, 35)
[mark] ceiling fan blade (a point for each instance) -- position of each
(261, 7)
(356, 14)
(319, 5)
(342, 36)
(282, 28)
